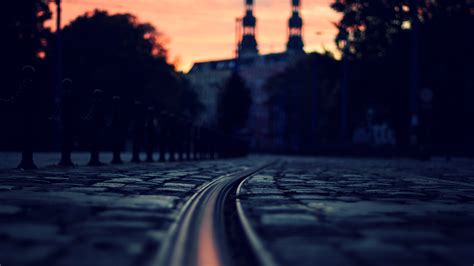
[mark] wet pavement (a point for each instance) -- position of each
(323, 211)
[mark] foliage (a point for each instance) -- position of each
(23, 39)
(304, 103)
(124, 57)
(233, 106)
(380, 37)
(370, 27)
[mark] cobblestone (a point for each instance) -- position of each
(329, 211)
(111, 215)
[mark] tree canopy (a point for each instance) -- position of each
(123, 57)
(370, 27)
(24, 39)
(380, 36)
(233, 105)
(304, 103)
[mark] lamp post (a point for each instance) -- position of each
(344, 94)
(58, 72)
(58, 51)
(414, 74)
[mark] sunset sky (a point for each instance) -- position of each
(199, 30)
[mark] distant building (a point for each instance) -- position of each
(209, 77)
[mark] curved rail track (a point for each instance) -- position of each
(199, 237)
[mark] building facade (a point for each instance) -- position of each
(209, 77)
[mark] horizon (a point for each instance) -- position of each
(195, 26)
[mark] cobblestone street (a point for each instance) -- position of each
(303, 211)
(111, 215)
(364, 212)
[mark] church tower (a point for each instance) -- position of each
(295, 30)
(248, 43)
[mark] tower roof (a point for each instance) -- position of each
(249, 20)
(296, 21)
(295, 24)
(247, 47)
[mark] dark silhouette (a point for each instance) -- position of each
(410, 62)
(234, 104)
(137, 130)
(187, 142)
(23, 39)
(27, 103)
(303, 102)
(172, 138)
(196, 142)
(96, 121)
(150, 133)
(132, 69)
(117, 131)
(67, 122)
(163, 134)
(24, 42)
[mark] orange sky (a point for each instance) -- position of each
(201, 30)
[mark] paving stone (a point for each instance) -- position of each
(119, 224)
(9, 210)
(109, 185)
(179, 185)
(364, 212)
(147, 202)
(29, 231)
(30, 256)
(301, 251)
(111, 215)
(128, 214)
(288, 219)
(124, 180)
(88, 189)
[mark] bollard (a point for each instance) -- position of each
(220, 142)
(180, 138)
(67, 122)
(150, 133)
(188, 131)
(26, 105)
(138, 130)
(196, 142)
(97, 125)
(172, 136)
(163, 136)
(212, 144)
(117, 134)
(205, 142)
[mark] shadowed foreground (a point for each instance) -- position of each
(302, 211)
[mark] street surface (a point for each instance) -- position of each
(302, 211)
(324, 211)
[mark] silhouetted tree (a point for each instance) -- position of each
(304, 103)
(23, 42)
(123, 57)
(371, 27)
(233, 106)
(378, 34)
(24, 36)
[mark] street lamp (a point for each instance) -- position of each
(415, 73)
(58, 74)
(58, 51)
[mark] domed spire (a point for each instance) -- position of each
(295, 24)
(248, 43)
